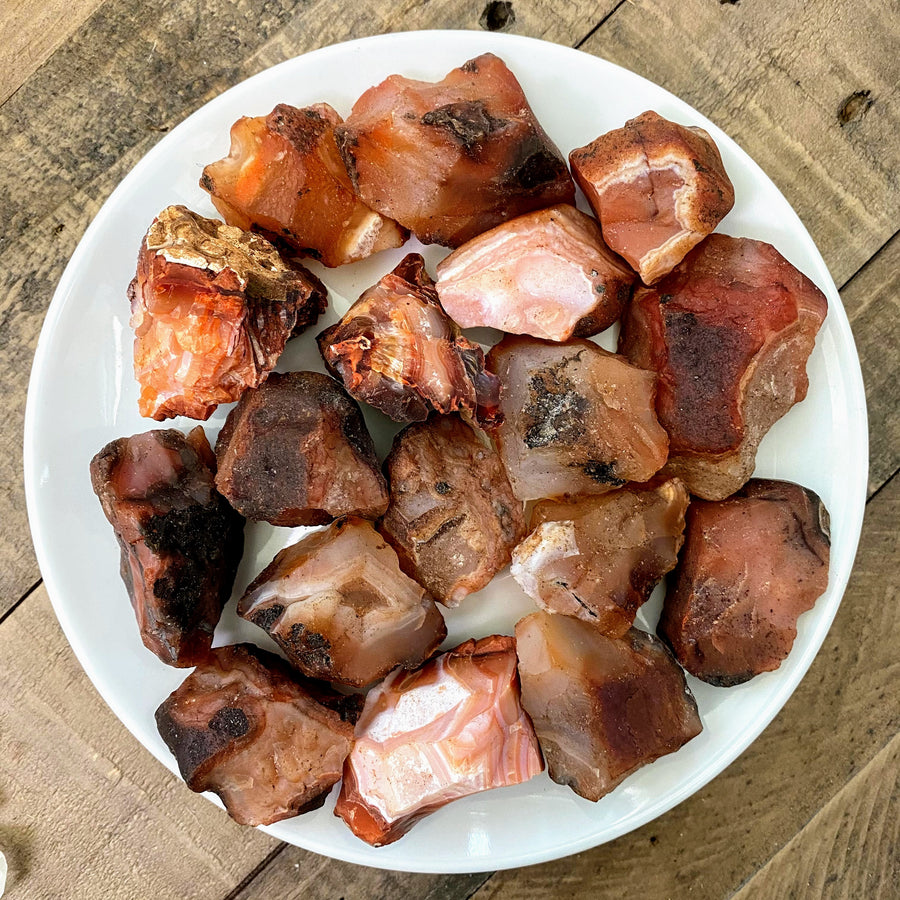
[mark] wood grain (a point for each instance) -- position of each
(841, 715)
(779, 78)
(296, 874)
(872, 300)
(85, 811)
(849, 849)
(30, 30)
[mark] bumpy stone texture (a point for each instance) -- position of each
(180, 540)
(457, 723)
(453, 519)
(397, 350)
(602, 707)
(599, 558)
(338, 605)
(728, 332)
(547, 274)
(751, 565)
(212, 308)
(296, 451)
(269, 744)
(658, 188)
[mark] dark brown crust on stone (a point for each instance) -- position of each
(208, 723)
(728, 331)
(273, 454)
(484, 157)
(180, 541)
(466, 519)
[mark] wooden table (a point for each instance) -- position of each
(810, 89)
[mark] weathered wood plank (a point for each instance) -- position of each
(74, 130)
(299, 875)
(85, 810)
(552, 20)
(841, 715)
(30, 30)
(872, 300)
(809, 89)
(849, 850)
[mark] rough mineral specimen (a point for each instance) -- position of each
(599, 558)
(751, 565)
(295, 451)
(575, 419)
(285, 178)
(453, 519)
(453, 728)
(602, 707)
(658, 188)
(729, 332)
(547, 274)
(338, 605)
(267, 742)
(397, 350)
(451, 159)
(181, 542)
(212, 307)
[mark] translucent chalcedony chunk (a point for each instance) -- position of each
(397, 350)
(453, 728)
(575, 418)
(285, 178)
(547, 274)
(269, 743)
(602, 707)
(451, 159)
(658, 188)
(599, 558)
(453, 519)
(751, 565)
(338, 605)
(212, 308)
(728, 332)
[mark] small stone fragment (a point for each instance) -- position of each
(547, 274)
(451, 159)
(295, 451)
(397, 350)
(285, 179)
(453, 519)
(180, 541)
(268, 742)
(212, 307)
(728, 332)
(658, 188)
(751, 565)
(599, 558)
(602, 707)
(339, 607)
(575, 418)
(450, 729)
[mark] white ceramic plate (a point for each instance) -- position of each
(83, 394)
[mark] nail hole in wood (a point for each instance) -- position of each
(497, 16)
(854, 107)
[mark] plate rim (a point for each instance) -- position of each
(367, 855)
